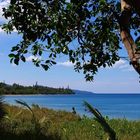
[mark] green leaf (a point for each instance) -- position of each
(11, 60)
(11, 55)
(47, 61)
(53, 62)
(16, 61)
(15, 48)
(13, 1)
(23, 58)
(25, 51)
(45, 67)
(40, 52)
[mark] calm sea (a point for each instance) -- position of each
(112, 105)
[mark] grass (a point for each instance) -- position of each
(19, 124)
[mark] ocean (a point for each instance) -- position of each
(111, 105)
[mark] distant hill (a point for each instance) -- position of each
(15, 89)
(82, 92)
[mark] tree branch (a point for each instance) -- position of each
(126, 36)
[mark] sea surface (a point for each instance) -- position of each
(111, 105)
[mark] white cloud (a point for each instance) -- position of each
(65, 64)
(129, 68)
(119, 63)
(30, 58)
(123, 65)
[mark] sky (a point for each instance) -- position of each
(121, 78)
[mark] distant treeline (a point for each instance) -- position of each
(6, 89)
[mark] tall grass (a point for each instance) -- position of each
(18, 124)
(33, 123)
(2, 111)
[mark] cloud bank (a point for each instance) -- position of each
(31, 57)
(65, 64)
(123, 65)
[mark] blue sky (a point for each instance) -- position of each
(121, 78)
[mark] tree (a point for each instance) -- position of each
(97, 26)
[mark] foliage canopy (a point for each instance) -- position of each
(50, 26)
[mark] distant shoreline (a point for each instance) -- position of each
(16, 89)
(33, 94)
(74, 92)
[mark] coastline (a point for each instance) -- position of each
(16, 89)
(35, 94)
(122, 106)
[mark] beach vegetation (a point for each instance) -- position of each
(47, 124)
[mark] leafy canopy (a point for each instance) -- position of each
(50, 26)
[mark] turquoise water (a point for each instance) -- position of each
(112, 105)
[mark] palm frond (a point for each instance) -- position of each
(101, 120)
(23, 103)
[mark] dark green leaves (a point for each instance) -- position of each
(16, 60)
(13, 1)
(11, 55)
(45, 67)
(84, 30)
(48, 64)
(23, 58)
(15, 48)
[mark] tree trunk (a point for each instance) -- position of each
(127, 39)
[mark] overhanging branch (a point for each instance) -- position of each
(127, 39)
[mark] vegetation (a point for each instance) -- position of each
(107, 128)
(6, 89)
(48, 124)
(97, 27)
(2, 111)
